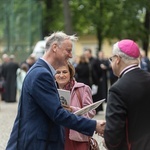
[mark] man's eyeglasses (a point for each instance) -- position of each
(111, 58)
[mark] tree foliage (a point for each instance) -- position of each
(112, 19)
(25, 22)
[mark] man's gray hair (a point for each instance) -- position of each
(127, 59)
(58, 37)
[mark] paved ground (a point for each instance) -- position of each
(7, 116)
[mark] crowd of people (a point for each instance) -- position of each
(43, 123)
(95, 72)
(12, 74)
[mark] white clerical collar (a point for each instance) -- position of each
(127, 69)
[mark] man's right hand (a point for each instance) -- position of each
(100, 126)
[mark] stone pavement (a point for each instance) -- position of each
(8, 113)
(7, 116)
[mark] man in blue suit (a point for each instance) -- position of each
(40, 119)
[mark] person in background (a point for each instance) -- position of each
(1, 81)
(10, 79)
(30, 61)
(41, 119)
(104, 65)
(81, 96)
(21, 73)
(95, 70)
(83, 71)
(145, 62)
(127, 112)
(5, 60)
(103, 81)
(96, 73)
(75, 61)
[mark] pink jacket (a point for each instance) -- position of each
(86, 96)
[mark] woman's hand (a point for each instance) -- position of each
(67, 107)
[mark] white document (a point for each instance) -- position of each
(64, 96)
(88, 108)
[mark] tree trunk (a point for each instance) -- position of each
(145, 42)
(100, 27)
(99, 37)
(47, 18)
(67, 17)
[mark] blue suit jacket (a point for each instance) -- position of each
(40, 117)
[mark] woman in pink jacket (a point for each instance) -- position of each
(81, 96)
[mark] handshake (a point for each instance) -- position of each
(100, 126)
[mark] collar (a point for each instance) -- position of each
(50, 66)
(127, 69)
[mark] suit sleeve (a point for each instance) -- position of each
(115, 130)
(48, 100)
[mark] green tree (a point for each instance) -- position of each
(25, 22)
(115, 19)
